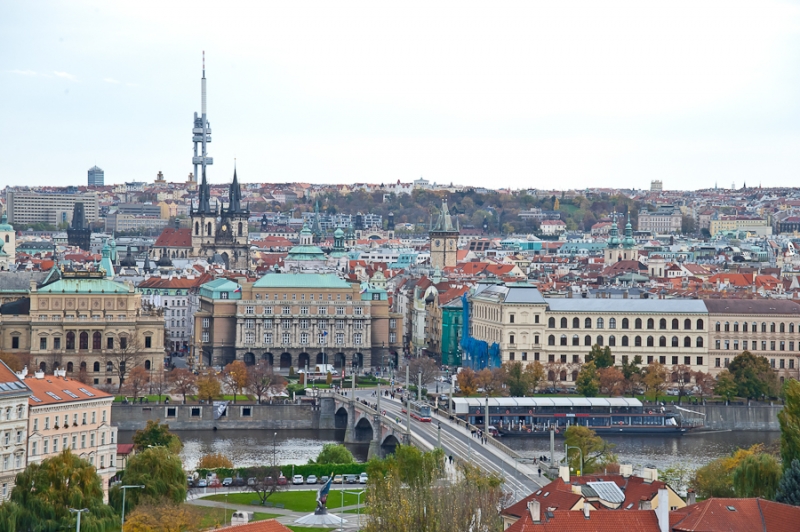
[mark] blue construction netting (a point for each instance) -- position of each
(478, 354)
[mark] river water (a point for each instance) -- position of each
(253, 447)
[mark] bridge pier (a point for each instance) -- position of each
(327, 413)
(375, 442)
(350, 431)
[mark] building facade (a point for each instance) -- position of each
(97, 177)
(665, 219)
(67, 414)
(29, 207)
(14, 396)
(293, 320)
(444, 240)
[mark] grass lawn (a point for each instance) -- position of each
(239, 397)
(214, 517)
(151, 398)
(294, 500)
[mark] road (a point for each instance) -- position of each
(520, 480)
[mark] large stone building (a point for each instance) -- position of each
(665, 219)
(13, 428)
(294, 320)
(63, 414)
(85, 324)
(444, 239)
(30, 207)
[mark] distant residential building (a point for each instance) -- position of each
(13, 428)
(751, 224)
(30, 207)
(120, 223)
(656, 185)
(96, 177)
(665, 219)
(552, 227)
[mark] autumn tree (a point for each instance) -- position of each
(588, 382)
(682, 376)
(159, 383)
(235, 377)
(715, 479)
(491, 380)
(136, 382)
(467, 381)
(164, 516)
(601, 356)
(214, 460)
(183, 382)
(12, 360)
(208, 387)
(704, 382)
(596, 451)
(612, 381)
(263, 381)
(534, 376)
(45, 492)
(425, 366)
(655, 380)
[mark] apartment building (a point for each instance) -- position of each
(84, 323)
(29, 207)
(67, 414)
(665, 219)
(765, 327)
(294, 320)
(13, 428)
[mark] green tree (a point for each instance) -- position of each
(516, 379)
(596, 451)
(757, 475)
(588, 382)
(789, 486)
(753, 375)
(333, 453)
(789, 419)
(715, 479)
(45, 492)
(159, 471)
(726, 385)
(156, 434)
(601, 356)
(632, 373)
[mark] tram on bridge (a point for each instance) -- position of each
(419, 411)
(536, 416)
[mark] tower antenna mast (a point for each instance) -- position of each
(201, 133)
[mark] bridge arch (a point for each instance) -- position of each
(340, 418)
(389, 444)
(363, 430)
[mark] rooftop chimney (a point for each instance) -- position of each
(626, 470)
(691, 497)
(39, 374)
(563, 472)
(662, 511)
(650, 474)
(535, 509)
(586, 508)
(644, 504)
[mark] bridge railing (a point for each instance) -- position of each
(386, 420)
(491, 440)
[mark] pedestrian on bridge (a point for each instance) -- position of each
(540, 471)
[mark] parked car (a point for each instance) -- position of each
(282, 481)
(189, 480)
(215, 483)
(297, 479)
(324, 479)
(269, 481)
(337, 479)
(238, 481)
(227, 481)
(351, 479)
(312, 479)
(202, 483)
(362, 479)
(252, 481)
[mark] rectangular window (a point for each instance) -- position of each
(250, 338)
(287, 310)
(287, 338)
(102, 462)
(206, 323)
(772, 345)
(763, 345)
(205, 336)
(74, 442)
(196, 411)
(172, 411)
(340, 324)
(268, 324)
(56, 343)
(791, 346)
(47, 423)
(772, 363)
(123, 342)
(340, 311)
(84, 419)
(392, 337)
(699, 361)
(15, 342)
(247, 411)
(339, 338)
(223, 295)
(33, 449)
(717, 344)
(268, 338)
(392, 323)
(304, 338)
(744, 345)
(304, 311)
(511, 356)
(736, 345)
(45, 446)
(321, 339)
(91, 439)
(104, 416)
(359, 324)
(357, 338)
(551, 358)
(662, 359)
(304, 324)
(563, 359)
(267, 310)
(249, 310)
(43, 343)
(791, 363)
(782, 363)
(358, 311)
(727, 344)
(249, 324)
(148, 342)
(287, 324)
(322, 311)
(727, 361)
(650, 359)
(674, 360)
(783, 345)
(35, 425)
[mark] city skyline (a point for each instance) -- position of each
(519, 97)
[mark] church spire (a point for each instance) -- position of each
(203, 197)
(235, 195)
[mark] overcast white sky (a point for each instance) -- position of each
(551, 94)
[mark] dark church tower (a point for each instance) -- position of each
(79, 234)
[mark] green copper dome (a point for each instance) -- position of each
(4, 225)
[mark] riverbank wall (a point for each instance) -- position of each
(201, 417)
(734, 417)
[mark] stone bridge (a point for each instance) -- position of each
(362, 424)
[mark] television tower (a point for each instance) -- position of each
(201, 125)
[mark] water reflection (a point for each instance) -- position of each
(248, 448)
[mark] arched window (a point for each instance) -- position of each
(84, 340)
(551, 375)
(147, 365)
(83, 367)
(763, 327)
(96, 341)
(662, 341)
(70, 340)
(587, 340)
(638, 323)
(600, 323)
(563, 323)
(687, 324)
(574, 375)
(551, 323)
(587, 323)
(675, 342)
(197, 228)
(600, 340)
(650, 323)
(735, 326)
(576, 323)
(650, 341)
(675, 324)
(772, 327)
(782, 327)
(241, 232)
(563, 339)
(96, 366)
(625, 323)
(744, 326)
(70, 367)
(727, 326)
(551, 340)
(576, 340)
(791, 327)
(612, 323)
(612, 341)
(699, 341)
(699, 325)
(624, 341)
(208, 229)
(109, 366)
(687, 342)
(662, 323)
(637, 341)
(563, 375)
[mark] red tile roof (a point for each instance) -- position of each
(174, 238)
(175, 282)
(736, 514)
(52, 390)
(574, 521)
(124, 448)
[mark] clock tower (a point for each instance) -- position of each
(444, 239)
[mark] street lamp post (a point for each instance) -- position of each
(79, 512)
(566, 456)
(486, 417)
(439, 436)
(124, 490)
